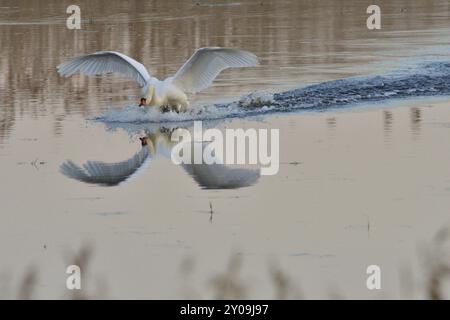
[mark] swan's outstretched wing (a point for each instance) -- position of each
(106, 62)
(218, 176)
(107, 174)
(206, 63)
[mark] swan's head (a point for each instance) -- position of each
(143, 102)
(148, 90)
(143, 141)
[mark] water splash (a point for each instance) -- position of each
(431, 79)
(259, 100)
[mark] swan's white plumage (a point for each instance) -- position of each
(219, 176)
(196, 74)
(206, 63)
(106, 62)
(109, 174)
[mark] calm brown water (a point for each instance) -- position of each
(356, 187)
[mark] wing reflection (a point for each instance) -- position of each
(218, 176)
(158, 142)
(107, 174)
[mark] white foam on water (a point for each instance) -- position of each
(257, 99)
(134, 114)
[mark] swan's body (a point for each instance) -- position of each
(166, 94)
(196, 74)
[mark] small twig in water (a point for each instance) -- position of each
(210, 212)
(35, 163)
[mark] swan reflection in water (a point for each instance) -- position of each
(207, 176)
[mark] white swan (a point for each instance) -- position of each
(196, 74)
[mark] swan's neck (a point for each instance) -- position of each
(150, 95)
